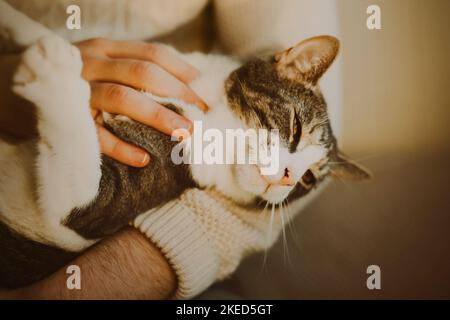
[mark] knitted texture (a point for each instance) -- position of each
(204, 236)
(184, 243)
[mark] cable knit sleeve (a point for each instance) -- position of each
(204, 236)
(175, 229)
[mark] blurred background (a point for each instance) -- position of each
(393, 118)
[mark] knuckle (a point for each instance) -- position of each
(184, 93)
(93, 46)
(116, 93)
(89, 62)
(157, 114)
(116, 148)
(97, 42)
(141, 70)
(152, 51)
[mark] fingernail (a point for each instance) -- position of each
(141, 157)
(180, 134)
(181, 123)
(145, 159)
(204, 106)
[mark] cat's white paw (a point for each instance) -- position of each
(49, 69)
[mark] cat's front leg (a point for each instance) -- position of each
(68, 165)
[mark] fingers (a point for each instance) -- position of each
(140, 75)
(122, 66)
(121, 151)
(158, 54)
(118, 99)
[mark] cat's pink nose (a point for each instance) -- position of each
(286, 180)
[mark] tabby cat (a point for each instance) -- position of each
(59, 195)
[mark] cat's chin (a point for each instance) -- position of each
(271, 195)
(249, 187)
(276, 194)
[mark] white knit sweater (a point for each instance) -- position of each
(203, 235)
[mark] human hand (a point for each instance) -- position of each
(116, 71)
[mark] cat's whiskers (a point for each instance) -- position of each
(295, 236)
(265, 250)
(290, 223)
(286, 255)
(261, 201)
(358, 160)
(269, 233)
(340, 179)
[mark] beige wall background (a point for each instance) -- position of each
(396, 80)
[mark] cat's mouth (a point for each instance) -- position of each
(251, 180)
(274, 193)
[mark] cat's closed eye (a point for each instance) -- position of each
(296, 132)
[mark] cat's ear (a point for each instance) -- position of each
(308, 60)
(344, 168)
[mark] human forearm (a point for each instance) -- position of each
(126, 266)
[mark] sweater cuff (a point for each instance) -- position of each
(175, 229)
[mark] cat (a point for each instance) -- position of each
(59, 195)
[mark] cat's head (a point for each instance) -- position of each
(282, 92)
